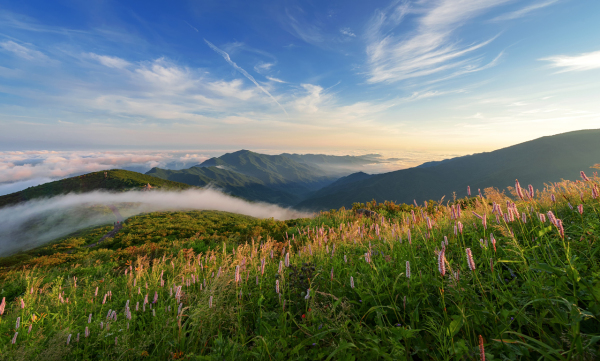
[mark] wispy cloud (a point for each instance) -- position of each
(581, 62)
(244, 73)
(29, 166)
(429, 49)
(347, 32)
(22, 51)
(524, 11)
(275, 79)
(263, 67)
(109, 61)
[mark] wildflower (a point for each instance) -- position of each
(280, 267)
(351, 282)
(116, 341)
(580, 208)
(481, 348)
(307, 294)
(455, 230)
(409, 237)
(345, 259)
(570, 206)
(287, 259)
(2, 305)
(237, 274)
(22, 303)
(493, 240)
(87, 332)
(460, 227)
(458, 210)
(68, 339)
(470, 260)
(429, 225)
(485, 221)
(477, 215)
(332, 273)
(407, 269)
(155, 297)
(101, 325)
(542, 217)
(553, 198)
(277, 286)
(492, 264)
(18, 323)
(518, 189)
(531, 192)
(14, 339)
(441, 262)
(561, 230)
(30, 327)
(303, 315)
(583, 176)
(210, 301)
(594, 192)
(523, 217)
(446, 240)
(469, 191)
(552, 218)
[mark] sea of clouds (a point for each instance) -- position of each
(34, 223)
(22, 169)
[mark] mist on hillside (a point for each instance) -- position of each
(36, 222)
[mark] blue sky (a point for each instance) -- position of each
(337, 76)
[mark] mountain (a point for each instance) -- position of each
(543, 160)
(334, 164)
(257, 177)
(115, 180)
(229, 181)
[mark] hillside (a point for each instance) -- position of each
(547, 159)
(115, 180)
(253, 176)
(231, 182)
(521, 284)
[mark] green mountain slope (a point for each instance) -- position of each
(257, 177)
(231, 182)
(547, 159)
(115, 180)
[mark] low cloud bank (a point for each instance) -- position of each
(34, 223)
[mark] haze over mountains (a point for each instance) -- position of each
(285, 179)
(316, 182)
(546, 159)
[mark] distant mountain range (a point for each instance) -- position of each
(316, 182)
(546, 159)
(284, 179)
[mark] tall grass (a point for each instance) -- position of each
(499, 279)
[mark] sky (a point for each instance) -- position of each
(438, 77)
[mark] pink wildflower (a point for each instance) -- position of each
(470, 260)
(583, 176)
(481, 348)
(407, 269)
(351, 282)
(469, 191)
(441, 262)
(531, 192)
(518, 189)
(580, 208)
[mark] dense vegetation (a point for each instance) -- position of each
(546, 159)
(490, 276)
(115, 180)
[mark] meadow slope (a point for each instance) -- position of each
(496, 277)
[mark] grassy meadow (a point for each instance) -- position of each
(487, 277)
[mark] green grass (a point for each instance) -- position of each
(541, 300)
(116, 180)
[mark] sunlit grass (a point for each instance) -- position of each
(335, 287)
